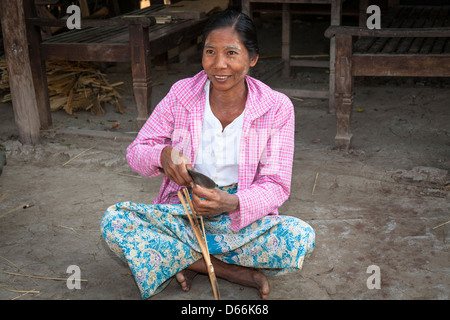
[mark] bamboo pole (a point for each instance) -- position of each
(201, 240)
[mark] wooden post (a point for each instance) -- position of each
(363, 4)
(38, 69)
(245, 4)
(336, 17)
(84, 8)
(141, 71)
(19, 71)
(343, 90)
(286, 40)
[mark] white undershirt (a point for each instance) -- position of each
(218, 153)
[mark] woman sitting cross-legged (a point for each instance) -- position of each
(239, 132)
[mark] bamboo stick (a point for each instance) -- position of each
(315, 182)
(20, 291)
(81, 153)
(201, 240)
(442, 224)
(40, 277)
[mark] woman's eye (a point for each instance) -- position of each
(231, 53)
(209, 51)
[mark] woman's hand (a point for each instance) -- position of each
(212, 202)
(174, 165)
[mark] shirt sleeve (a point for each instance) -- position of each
(272, 183)
(144, 153)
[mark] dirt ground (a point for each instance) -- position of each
(381, 203)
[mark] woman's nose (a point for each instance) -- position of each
(220, 62)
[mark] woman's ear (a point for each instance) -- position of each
(254, 60)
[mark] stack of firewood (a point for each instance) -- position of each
(5, 96)
(73, 86)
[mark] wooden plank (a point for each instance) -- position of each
(20, 77)
(310, 63)
(86, 52)
(167, 38)
(125, 20)
(181, 14)
(399, 21)
(88, 35)
(439, 44)
(391, 32)
(401, 65)
(414, 21)
(197, 9)
(438, 22)
(317, 94)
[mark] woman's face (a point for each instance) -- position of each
(225, 59)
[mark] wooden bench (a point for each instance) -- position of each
(413, 41)
(133, 37)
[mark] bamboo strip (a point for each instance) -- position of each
(77, 156)
(201, 240)
(40, 277)
(20, 291)
(442, 224)
(315, 182)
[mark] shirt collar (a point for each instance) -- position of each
(257, 100)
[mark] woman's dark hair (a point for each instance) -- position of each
(238, 21)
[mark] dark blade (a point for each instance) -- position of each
(201, 179)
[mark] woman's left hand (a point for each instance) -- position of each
(212, 202)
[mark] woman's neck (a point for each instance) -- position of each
(228, 105)
(229, 101)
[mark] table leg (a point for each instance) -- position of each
(286, 40)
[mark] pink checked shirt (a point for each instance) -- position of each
(266, 149)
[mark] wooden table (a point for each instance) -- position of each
(336, 16)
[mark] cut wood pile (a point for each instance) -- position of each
(73, 86)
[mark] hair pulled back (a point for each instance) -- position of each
(238, 21)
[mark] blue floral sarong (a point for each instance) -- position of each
(157, 241)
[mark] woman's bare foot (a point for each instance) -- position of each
(248, 277)
(184, 278)
(262, 284)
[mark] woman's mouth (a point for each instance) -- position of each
(221, 78)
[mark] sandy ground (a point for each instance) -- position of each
(380, 203)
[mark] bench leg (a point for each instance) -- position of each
(141, 72)
(344, 103)
(142, 90)
(336, 17)
(343, 90)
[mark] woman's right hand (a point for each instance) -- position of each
(174, 165)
